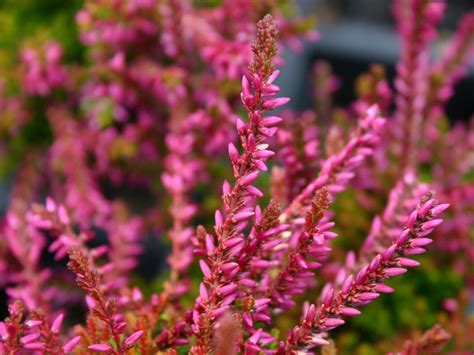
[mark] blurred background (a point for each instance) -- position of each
(356, 34)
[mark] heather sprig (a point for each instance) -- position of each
(337, 170)
(416, 22)
(23, 332)
(220, 270)
(310, 251)
(89, 280)
(431, 342)
(367, 284)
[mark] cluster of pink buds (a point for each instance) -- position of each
(43, 71)
(35, 334)
(337, 170)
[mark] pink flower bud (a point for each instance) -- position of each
(219, 312)
(71, 344)
(254, 191)
(260, 264)
(388, 254)
(233, 153)
(273, 76)
(403, 237)
(63, 215)
(249, 178)
(415, 251)
(271, 89)
(229, 266)
(30, 338)
(347, 284)
(368, 296)
(426, 207)
(227, 289)
(271, 121)
(375, 263)
(394, 271)
(432, 224)
(218, 218)
(55, 328)
(382, 288)
(334, 322)
(203, 291)
(411, 219)
(132, 339)
(210, 247)
(328, 297)
(205, 269)
(264, 154)
(241, 216)
(421, 242)
(230, 243)
(226, 188)
(245, 86)
(311, 313)
(100, 348)
(270, 104)
(301, 262)
(257, 83)
(256, 336)
(33, 323)
(437, 210)
(34, 346)
(50, 205)
(408, 262)
(240, 125)
(349, 311)
(317, 341)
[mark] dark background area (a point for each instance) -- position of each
(354, 35)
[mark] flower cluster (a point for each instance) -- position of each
(133, 142)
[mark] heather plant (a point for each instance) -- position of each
(174, 99)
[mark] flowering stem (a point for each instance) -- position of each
(338, 169)
(221, 273)
(367, 284)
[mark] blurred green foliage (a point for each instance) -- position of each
(32, 21)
